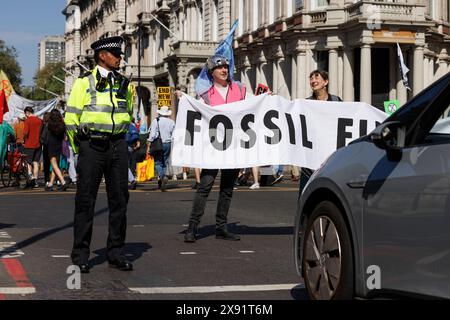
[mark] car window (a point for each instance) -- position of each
(442, 125)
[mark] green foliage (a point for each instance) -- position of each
(45, 79)
(10, 65)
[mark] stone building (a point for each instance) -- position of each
(278, 43)
(51, 50)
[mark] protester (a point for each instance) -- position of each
(223, 90)
(19, 128)
(43, 138)
(134, 144)
(32, 145)
(6, 135)
(56, 131)
(97, 117)
(162, 126)
(318, 80)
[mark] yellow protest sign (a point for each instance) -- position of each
(164, 96)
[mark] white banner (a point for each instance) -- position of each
(16, 104)
(266, 130)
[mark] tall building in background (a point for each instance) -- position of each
(52, 49)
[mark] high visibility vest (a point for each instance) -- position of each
(95, 110)
(236, 92)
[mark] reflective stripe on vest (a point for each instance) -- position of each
(97, 114)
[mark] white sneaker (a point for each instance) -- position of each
(254, 186)
(174, 178)
(184, 176)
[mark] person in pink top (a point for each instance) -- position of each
(222, 91)
(32, 129)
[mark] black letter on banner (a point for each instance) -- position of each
(306, 143)
(213, 132)
(191, 127)
(362, 128)
(342, 134)
(291, 128)
(272, 126)
(246, 128)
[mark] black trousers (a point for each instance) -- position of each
(94, 161)
(207, 177)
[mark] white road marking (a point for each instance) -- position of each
(189, 252)
(185, 225)
(138, 225)
(21, 290)
(9, 250)
(210, 289)
(4, 235)
(60, 256)
(246, 251)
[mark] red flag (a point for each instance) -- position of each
(3, 105)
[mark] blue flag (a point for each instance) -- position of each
(225, 48)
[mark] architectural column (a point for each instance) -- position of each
(442, 62)
(431, 70)
(333, 71)
(393, 66)
(275, 85)
(244, 74)
(191, 87)
(365, 92)
(426, 80)
(418, 70)
(349, 88)
(294, 76)
(301, 74)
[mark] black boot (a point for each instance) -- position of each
(225, 235)
(190, 232)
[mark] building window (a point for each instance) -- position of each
(319, 4)
(298, 5)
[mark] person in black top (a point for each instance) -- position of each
(318, 80)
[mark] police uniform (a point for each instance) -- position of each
(97, 117)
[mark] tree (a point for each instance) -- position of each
(45, 78)
(10, 65)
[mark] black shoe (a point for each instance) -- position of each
(191, 231)
(195, 185)
(64, 187)
(47, 188)
(164, 183)
(122, 265)
(84, 268)
(223, 234)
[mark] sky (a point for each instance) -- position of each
(24, 23)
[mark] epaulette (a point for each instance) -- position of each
(83, 75)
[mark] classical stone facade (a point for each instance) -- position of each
(278, 43)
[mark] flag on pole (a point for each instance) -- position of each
(403, 68)
(225, 48)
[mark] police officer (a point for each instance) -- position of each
(97, 117)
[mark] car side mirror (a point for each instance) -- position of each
(389, 136)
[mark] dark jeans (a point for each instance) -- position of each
(162, 160)
(46, 160)
(112, 162)
(227, 179)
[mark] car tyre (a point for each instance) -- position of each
(327, 255)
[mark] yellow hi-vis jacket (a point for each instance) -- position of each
(90, 108)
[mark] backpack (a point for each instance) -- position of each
(132, 135)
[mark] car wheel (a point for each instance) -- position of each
(327, 255)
